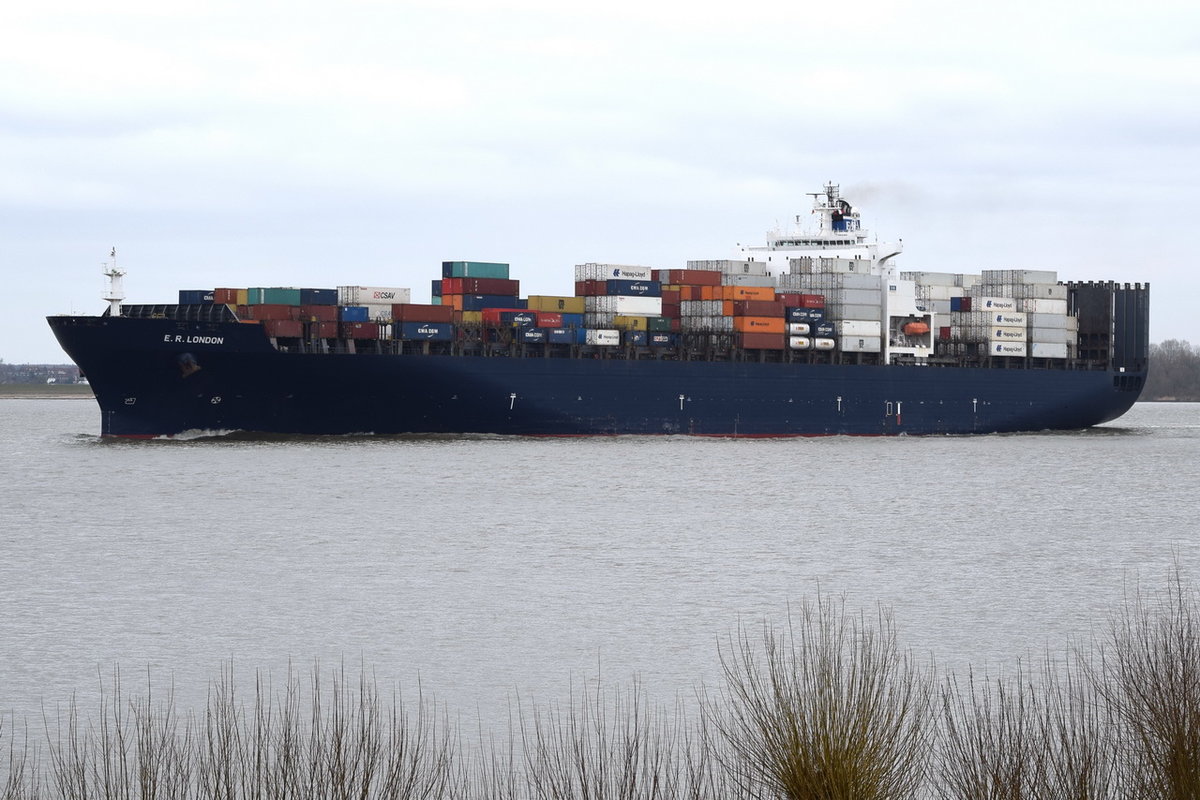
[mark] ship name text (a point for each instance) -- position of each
(180, 338)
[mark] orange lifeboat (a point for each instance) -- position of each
(915, 328)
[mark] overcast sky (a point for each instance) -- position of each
(256, 143)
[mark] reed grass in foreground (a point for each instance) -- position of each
(824, 708)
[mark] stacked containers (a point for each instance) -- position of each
(1036, 294)
(378, 300)
(853, 301)
(617, 290)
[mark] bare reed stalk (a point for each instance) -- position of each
(991, 748)
(1075, 736)
(826, 708)
(1150, 676)
(601, 749)
(22, 774)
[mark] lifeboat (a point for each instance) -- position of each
(915, 328)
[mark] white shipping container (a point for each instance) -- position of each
(998, 333)
(858, 327)
(943, 279)
(602, 337)
(378, 312)
(824, 344)
(1051, 335)
(604, 272)
(729, 279)
(862, 344)
(1049, 320)
(993, 304)
(861, 297)
(1007, 348)
(1019, 276)
(625, 304)
(1040, 305)
(799, 342)
(1009, 318)
(838, 311)
(1047, 350)
(372, 295)
(1047, 291)
(798, 329)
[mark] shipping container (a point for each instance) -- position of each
(283, 328)
(602, 337)
(605, 272)
(1017, 349)
(228, 297)
(191, 297)
(798, 329)
(691, 277)
(1047, 349)
(567, 305)
(633, 288)
(826, 329)
(428, 331)
(574, 320)
(754, 308)
(527, 335)
(624, 304)
(661, 339)
(318, 297)
(420, 312)
(435, 289)
(324, 330)
(1036, 305)
(272, 311)
(547, 319)
(773, 325)
(628, 323)
(861, 344)
(960, 303)
(858, 327)
(353, 314)
(321, 313)
(373, 295)
(474, 269)
(360, 330)
(993, 304)
(518, 319)
(759, 340)
(1010, 318)
(276, 295)
(636, 338)
(747, 293)
(560, 336)
(824, 343)
(478, 302)
(1000, 333)
(799, 342)
(1052, 335)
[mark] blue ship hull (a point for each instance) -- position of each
(160, 377)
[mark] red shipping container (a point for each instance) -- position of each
(670, 297)
(324, 330)
(319, 313)
(360, 330)
(757, 308)
(452, 286)
(812, 301)
(493, 286)
(243, 312)
(420, 312)
(284, 328)
(944, 333)
(789, 299)
(590, 288)
(548, 319)
(273, 311)
(226, 296)
(676, 324)
(671, 310)
(761, 341)
(694, 277)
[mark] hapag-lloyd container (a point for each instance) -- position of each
(1000, 333)
(1009, 318)
(993, 304)
(605, 338)
(1017, 349)
(605, 272)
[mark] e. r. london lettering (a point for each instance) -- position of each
(180, 338)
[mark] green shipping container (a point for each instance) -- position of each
(658, 324)
(274, 296)
(474, 269)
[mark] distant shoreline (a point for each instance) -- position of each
(46, 391)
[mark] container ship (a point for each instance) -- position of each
(815, 332)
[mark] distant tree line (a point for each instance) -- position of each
(1174, 372)
(38, 373)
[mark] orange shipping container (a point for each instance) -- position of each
(759, 325)
(711, 293)
(748, 293)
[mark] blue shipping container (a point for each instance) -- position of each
(531, 335)
(635, 338)
(318, 297)
(431, 331)
(478, 302)
(661, 339)
(191, 297)
(572, 320)
(824, 329)
(634, 288)
(437, 289)
(353, 314)
(560, 336)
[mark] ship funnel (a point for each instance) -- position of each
(115, 293)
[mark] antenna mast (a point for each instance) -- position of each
(115, 293)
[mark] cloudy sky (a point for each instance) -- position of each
(257, 143)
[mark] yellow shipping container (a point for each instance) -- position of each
(243, 297)
(472, 317)
(624, 323)
(551, 303)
